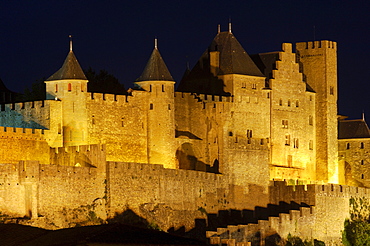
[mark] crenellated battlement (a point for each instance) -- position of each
(241, 142)
(141, 169)
(308, 194)
(104, 97)
(22, 133)
(284, 224)
(317, 44)
(24, 105)
(204, 97)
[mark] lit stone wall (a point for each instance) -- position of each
(120, 122)
(331, 204)
(212, 133)
(318, 62)
(23, 144)
(354, 161)
(293, 131)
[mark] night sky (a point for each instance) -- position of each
(118, 36)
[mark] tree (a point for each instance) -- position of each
(356, 233)
(36, 93)
(103, 82)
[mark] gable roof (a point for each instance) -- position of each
(155, 69)
(348, 129)
(70, 69)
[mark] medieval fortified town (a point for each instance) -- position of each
(248, 148)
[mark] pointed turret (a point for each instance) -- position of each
(71, 69)
(69, 86)
(158, 86)
(155, 69)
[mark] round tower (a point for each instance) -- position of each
(69, 85)
(157, 81)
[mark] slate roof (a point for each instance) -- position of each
(71, 69)
(155, 69)
(233, 59)
(3, 87)
(348, 129)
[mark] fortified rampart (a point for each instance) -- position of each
(327, 207)
(59, 192)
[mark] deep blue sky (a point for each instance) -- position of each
(118, 36)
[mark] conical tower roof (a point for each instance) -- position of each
(71, 69)
(155, 69)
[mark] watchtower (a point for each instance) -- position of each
(318, 63)
(157, 81)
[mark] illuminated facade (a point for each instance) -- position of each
(232, 113)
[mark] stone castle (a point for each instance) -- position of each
(241, 132)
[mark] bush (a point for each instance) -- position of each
(356, 233)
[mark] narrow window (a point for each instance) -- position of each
(122, 122)
(230, 134)
(249, 133)
(82, 88)
(162, 88)
(281, 102)
(296, 143)
(262, 141)
(310, 145)
(290, 161)
(362, 162)
(254, 86)
(362, 145)
(151, 106)
(287, 139)
(297, 103)
(56, 87)
(93, 120)
(243, 84)
(310, 120)
(288, 103)
(362, 176)
(69, 87)
(284, 124)
(310, 98)
(331, 90)
(169, 106)
(348, 146)
(150, 88)
(268, 94)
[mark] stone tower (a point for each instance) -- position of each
(69, 85)
(157, 81)
(318, 61)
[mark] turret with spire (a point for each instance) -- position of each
(69, 85)
(158, 83)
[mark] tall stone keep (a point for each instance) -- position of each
(318, 63)
(69, 85)
(157, 81)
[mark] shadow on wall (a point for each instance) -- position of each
(235, 217)
(187, 160)
(129, 217)
(18, 120)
